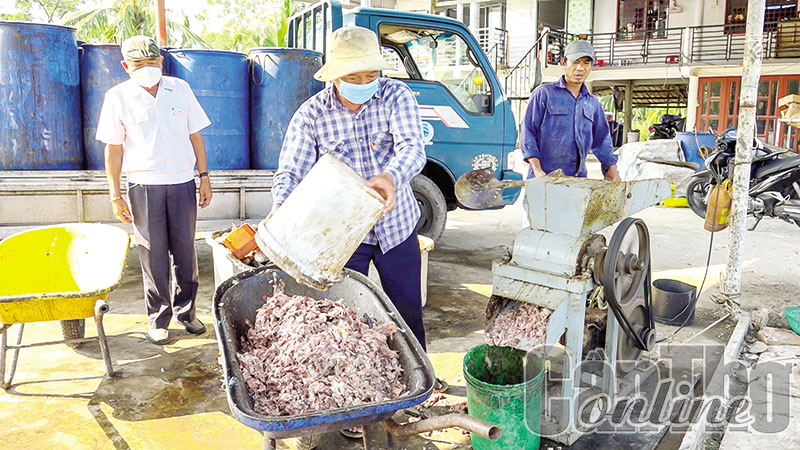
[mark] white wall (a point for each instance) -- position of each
(521, 29)
(688, 16)
(714, 13)
(605, 16)
(413, 5)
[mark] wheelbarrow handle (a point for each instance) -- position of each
(463, 421)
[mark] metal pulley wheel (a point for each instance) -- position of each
(622, 266)
(623, 270)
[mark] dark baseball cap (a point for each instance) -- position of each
(579, 49)
(139, 47)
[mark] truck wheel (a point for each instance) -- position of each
(73, 329)
(432, 207)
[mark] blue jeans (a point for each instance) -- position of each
(399, 270)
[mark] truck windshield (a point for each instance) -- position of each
(446, 58)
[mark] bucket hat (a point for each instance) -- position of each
(352, 49)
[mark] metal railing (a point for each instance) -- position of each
(523, 76)
(309, 28)
(725, 43)
(708, 43)
(494, 42)
(692, 45)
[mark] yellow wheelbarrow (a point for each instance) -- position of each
(62, 272)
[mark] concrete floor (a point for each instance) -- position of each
(171, 397)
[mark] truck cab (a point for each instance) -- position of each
(466, 120)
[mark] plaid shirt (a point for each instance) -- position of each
(384, 136)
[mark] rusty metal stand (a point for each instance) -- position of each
(100, 309)
(366, 436)
(269, 443)
(4, 347)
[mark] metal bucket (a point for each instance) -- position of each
(674, 302)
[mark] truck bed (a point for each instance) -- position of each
(45, 197)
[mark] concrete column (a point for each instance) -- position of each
(460, 12)
(751, 74)
(691, 102)
(474, 17)
(628, 108)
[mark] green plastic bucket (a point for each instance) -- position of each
(497, 393)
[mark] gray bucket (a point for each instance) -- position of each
(674, 302)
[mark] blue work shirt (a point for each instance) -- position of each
(560, 129)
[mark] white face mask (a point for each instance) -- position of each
(146, 77)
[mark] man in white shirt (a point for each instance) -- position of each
(151, 127)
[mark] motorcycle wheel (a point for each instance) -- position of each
(696, 193)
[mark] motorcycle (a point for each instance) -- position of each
(774, 180)
(668, 128)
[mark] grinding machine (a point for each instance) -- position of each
(598, 290)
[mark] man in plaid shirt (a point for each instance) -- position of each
(372, 124)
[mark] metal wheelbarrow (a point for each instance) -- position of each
(237, 300)
(62, 272)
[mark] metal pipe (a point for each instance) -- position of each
(366, 436)
(628, 111)
(463, 421)
(100, 309)
(161, 24)
(5, 383)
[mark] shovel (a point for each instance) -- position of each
(480, 189)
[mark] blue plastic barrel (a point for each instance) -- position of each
(281, 80)
(219, 81)
(40, 98)
(100, 71)
(691, 142)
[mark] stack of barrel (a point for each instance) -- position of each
(52, 90)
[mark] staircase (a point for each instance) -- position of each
(525, 76)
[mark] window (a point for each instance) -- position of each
(392, 57)
(444, 57)
(776, 10)
(719, 107)
(639, 19)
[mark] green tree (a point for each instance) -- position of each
(126, 18)
(46, 10)
(246, 26)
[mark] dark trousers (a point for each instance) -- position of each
(399, 270)
(164, 220)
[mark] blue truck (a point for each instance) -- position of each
(467, 121)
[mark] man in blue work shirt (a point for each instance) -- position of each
(564, 121)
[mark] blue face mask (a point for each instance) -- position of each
(358, 93)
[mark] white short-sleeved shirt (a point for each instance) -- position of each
(153, 131)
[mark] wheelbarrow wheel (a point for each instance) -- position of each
(304, 442)
(73, 329)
